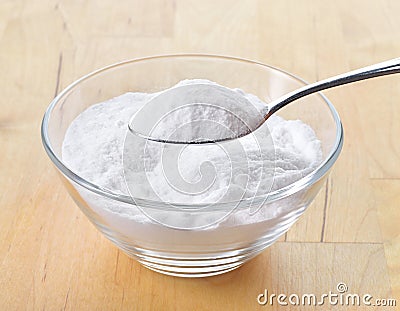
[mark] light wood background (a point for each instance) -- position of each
(52, 258)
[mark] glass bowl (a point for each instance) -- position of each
(191, 251)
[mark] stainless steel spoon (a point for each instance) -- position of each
(380, 69)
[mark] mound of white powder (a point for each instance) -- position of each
(94, 148)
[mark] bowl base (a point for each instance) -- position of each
(191, 266)
(189, 273)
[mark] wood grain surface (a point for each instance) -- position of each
(52, 258)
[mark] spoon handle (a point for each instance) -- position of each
(380, 69)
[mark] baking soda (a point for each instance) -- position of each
(99, 148)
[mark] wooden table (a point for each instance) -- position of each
(52, 258)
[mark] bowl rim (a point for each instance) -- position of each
(280, 193)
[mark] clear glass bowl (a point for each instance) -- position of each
(193, 252)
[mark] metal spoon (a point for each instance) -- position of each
(380, 69)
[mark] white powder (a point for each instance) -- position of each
(95, 148)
